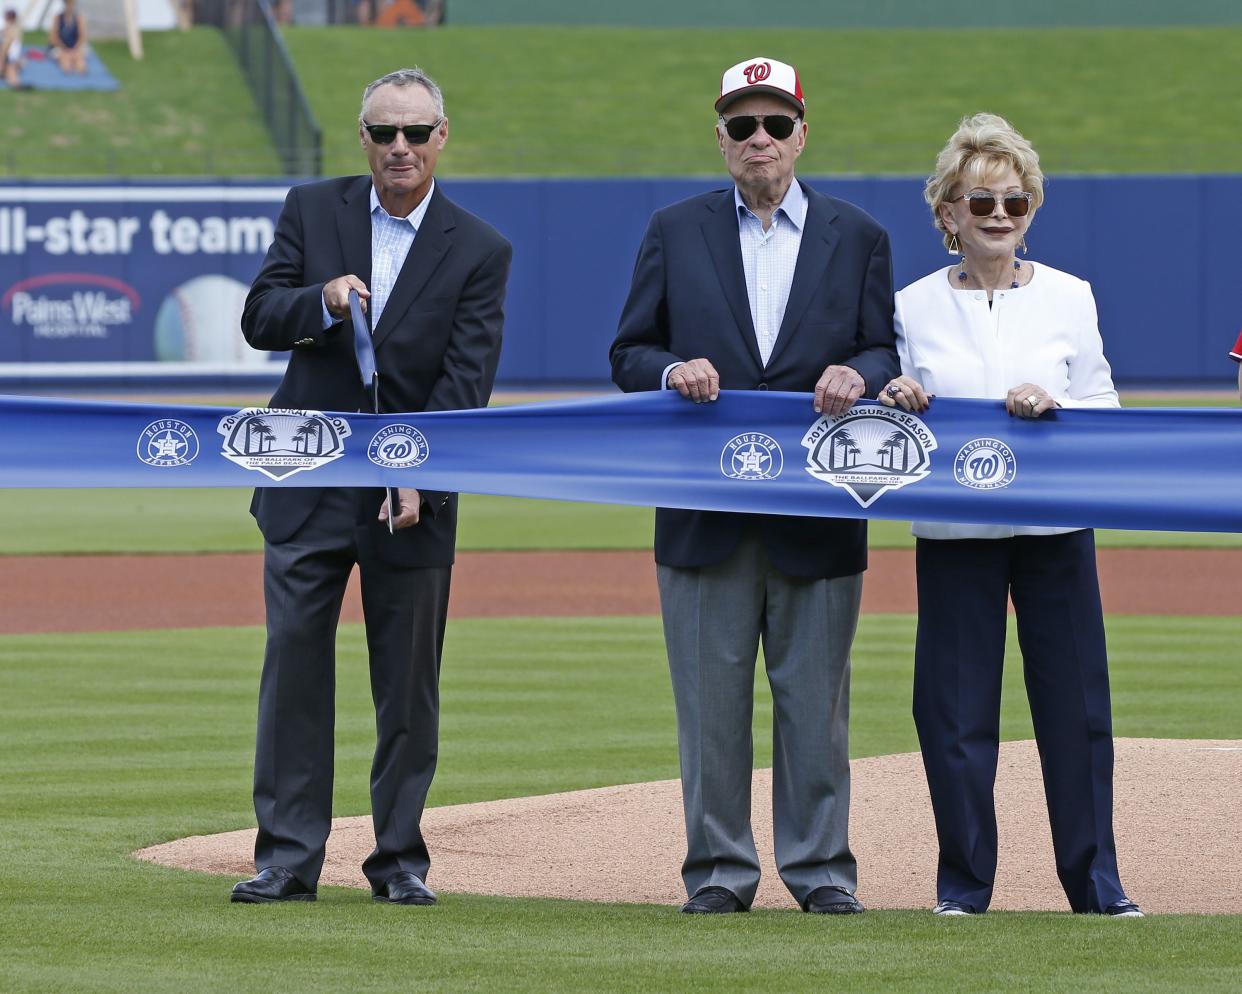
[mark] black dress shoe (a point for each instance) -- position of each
(832, 901)
(713, 901)
(273, 883)
(404, 887)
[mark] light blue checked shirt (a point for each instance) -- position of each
(768, 259)
(391, 240)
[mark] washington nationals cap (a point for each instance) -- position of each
(760, 75)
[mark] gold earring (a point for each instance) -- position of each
(954, 248)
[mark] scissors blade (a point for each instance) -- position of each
(390, 493)
(364, 351)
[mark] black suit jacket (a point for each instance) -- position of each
(436, 346)
(688, 300)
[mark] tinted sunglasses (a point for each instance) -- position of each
(415, 134)
(778, 126)
(982, 204)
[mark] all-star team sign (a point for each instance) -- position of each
(963, 460)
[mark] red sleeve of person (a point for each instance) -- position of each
(1236, 352)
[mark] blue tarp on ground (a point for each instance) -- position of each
(40, 72)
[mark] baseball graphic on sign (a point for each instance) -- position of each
(200, 321)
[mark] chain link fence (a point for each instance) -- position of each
(250, 30)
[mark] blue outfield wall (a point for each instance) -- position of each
(93, 275)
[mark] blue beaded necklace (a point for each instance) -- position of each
(962, 276)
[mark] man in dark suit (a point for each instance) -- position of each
(432, 278)
(764, 286)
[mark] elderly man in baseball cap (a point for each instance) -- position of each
(765, 285)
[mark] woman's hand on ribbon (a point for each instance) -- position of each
(907, 393)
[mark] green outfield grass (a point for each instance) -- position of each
(550, 101)
(110, 522)
(586, 101)
(111, 742)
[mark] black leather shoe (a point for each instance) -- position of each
(713, 901)
(274, 883)
(404, 887)
(832, 901)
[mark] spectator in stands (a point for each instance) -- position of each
(68, 39)
(11, 50)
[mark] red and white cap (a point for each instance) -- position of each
(760, 75)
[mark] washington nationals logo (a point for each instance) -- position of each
(757, 72)
(985, 464)
(398, 447)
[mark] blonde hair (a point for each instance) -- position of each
(982, 146)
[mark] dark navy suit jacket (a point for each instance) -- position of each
(437, 344)
(688, 300)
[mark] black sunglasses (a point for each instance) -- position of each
(778, 126)
(415, 134)
(982, 204)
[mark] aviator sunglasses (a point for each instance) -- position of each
(415, 134)
(778, 126)
(982, 204)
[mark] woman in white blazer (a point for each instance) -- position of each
(998, 325)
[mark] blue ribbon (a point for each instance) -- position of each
(964, 460)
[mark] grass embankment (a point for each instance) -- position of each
(549, 101)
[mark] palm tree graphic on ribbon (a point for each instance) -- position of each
(869, 453)
(259, 437)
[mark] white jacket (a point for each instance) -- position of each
(1045, 333)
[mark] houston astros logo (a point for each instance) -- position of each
(752, 456)
(167, 442)
(757, 72)
(985, 464)
(398, 447)
(869, 452)
(280, 443)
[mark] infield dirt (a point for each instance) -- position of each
(1177, 823)
(119, 593)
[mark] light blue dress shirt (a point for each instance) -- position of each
(768, 262)
(768, 259)
(391, 241)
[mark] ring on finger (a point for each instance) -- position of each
(893, 390)
(1033, 399)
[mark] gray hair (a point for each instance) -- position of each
(404, 77)
(982, 146)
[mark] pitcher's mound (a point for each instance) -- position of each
(1178, 827)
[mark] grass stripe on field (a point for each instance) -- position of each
(74, 522)
(113, 741)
